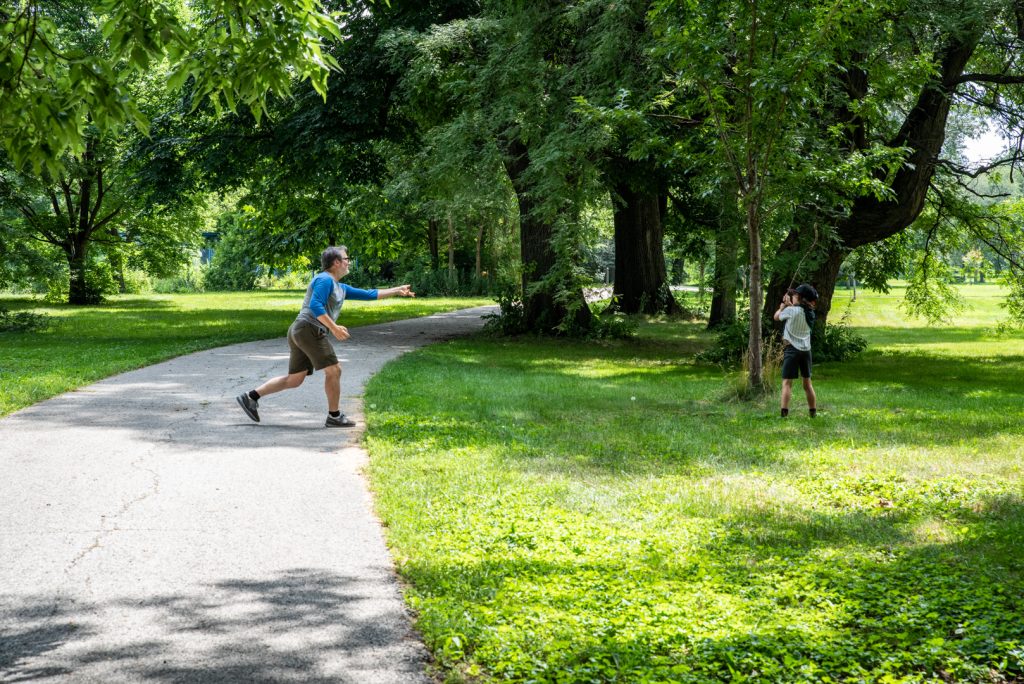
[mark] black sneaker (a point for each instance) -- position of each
(249, 405)
(340, 421)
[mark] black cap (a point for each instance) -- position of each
(807, 293)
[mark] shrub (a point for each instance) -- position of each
(190, 279)
(286, 280)
(833, 342)
(137, 282)
(510, 319)
(231, 269)
(444, 283)
(22, 321)
(839, 342)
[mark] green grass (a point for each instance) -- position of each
(85, 344)
(568, 512)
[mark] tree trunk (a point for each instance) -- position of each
(755, 346)
(480, 233)
(78, 289)
(117, 263)
(432, 242)
(723, 297)
(542, 310)
(451, 246)
(641, 282)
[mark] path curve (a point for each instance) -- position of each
(150, 532)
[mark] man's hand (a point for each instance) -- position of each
(404, 291)
(340, 333)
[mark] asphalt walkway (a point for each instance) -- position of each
(150, 532)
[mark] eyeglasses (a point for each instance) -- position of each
(346, 259)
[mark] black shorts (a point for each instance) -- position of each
(795, 363)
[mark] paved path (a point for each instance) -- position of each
(150, 532)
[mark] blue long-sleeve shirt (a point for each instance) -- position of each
(325, 295)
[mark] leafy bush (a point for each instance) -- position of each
(287, 280)
(444, 283)
(832, 342)
(731, 342)
(231, 269)
(614, 326)
(839, 342)
(510, 319)
(190, 279)
(22, 321)
(137, 282)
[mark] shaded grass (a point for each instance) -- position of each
(596, 512)
(85, 344)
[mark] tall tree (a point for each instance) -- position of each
(937, 57)
(749, 70)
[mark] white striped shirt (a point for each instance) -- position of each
(796, 332)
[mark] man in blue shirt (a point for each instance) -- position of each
(307, 337)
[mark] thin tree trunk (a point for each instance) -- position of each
(754, 349)
(432, 243)
(451, 246)
(480, 233)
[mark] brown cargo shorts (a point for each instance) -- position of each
(310, 348)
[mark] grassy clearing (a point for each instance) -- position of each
(85, 344)
(571, 512)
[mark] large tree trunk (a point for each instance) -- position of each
(542, 311)
(723, 297)
(872, 219)
(78, 290)
(641, 282)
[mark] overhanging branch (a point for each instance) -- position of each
(1005, 79)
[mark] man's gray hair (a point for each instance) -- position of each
(332, 254)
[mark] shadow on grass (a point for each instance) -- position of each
(758, 611)
(304, 625)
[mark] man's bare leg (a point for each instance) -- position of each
(332, 386)
(280, 383)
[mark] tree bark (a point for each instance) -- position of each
(78, 289)
(641, 282)
(542, 311)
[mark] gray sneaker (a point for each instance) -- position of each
(249, 405)
(340, 421)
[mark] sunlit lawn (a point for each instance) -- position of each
(84, 344)
(569, 512)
